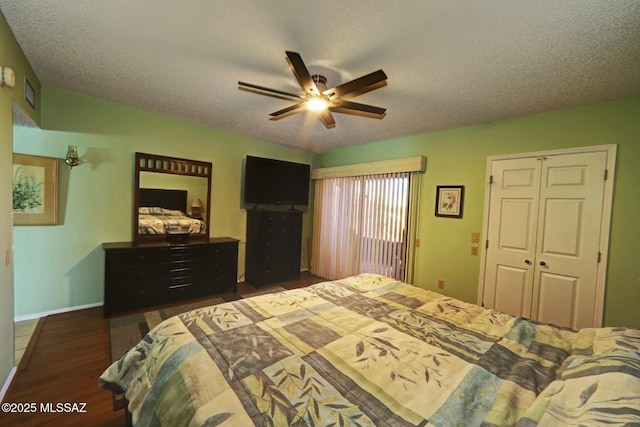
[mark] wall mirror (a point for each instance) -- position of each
(171, 201)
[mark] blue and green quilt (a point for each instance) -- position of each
(372, 351)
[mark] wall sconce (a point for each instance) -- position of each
(7, 77)
(196, 208)
(72, 156)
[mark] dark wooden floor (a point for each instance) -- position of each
(70, 353)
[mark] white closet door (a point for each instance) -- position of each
(543, 234)
(512, 235)
(568, 240)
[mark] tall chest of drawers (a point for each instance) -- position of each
(274, 240)
(139, 276)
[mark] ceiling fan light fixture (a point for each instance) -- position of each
(317, 103)
(320, 100)
(320, 82)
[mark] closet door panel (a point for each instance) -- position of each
(512, 287)
(512, 235)
(556, 300)
(570, 217)
(563, 227)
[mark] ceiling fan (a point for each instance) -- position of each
(318, 98)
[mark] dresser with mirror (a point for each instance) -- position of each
(171, 256)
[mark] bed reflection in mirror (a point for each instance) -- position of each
(172, 198)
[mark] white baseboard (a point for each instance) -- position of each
(58, 311)
(7, 383)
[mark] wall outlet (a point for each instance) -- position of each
(441, 284)
(474, 250)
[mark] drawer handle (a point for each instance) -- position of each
(175, 270)
(183, 285)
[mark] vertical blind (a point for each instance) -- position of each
(362, 224)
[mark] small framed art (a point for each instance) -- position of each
(29, 93)
(35, 190)
(449, 200)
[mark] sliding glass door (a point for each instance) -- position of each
(360, 225)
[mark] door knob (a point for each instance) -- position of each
(526, 261)
(542, 263)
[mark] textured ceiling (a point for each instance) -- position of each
(450, 63)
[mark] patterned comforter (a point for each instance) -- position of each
(371, 351)
(163, 221)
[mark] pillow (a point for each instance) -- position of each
(159, 211)
(170, 212)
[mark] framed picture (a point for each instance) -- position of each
(29, 93)
(35, 190)
(449, 200)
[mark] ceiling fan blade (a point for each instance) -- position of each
(327, 118)
(302, 73)
(287, 111)
(250, 86)
(349, 107)
(358, 86)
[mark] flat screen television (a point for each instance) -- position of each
(276, 182)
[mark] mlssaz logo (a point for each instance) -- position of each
(63, 407)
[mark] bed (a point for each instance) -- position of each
(372, 351)
(163, 212)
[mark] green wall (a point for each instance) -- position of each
(10, 56)
(59, 267)
(96, 196)
(458, 157)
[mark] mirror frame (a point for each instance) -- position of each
(175, 166)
